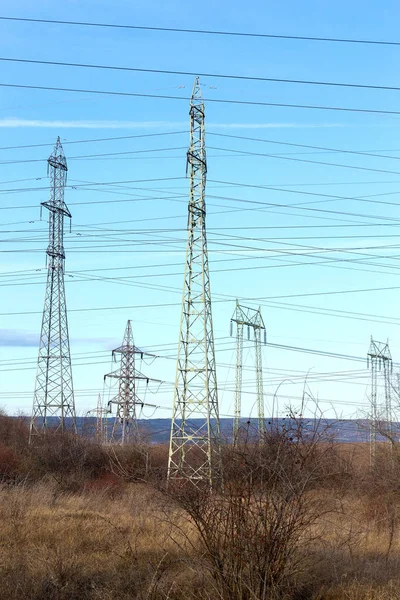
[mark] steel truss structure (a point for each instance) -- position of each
(100, 414)
(54, 393)
(379, 359)
(252, 319)
(125, 428)
(195, 442)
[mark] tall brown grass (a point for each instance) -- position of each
(299, 518)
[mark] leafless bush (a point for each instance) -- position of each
(138, 462)
(253, 537)
(13, 430)
(67, 458)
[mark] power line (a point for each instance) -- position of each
(33, 272)
(324, 293)
(86, 186)
(204, 31)
(123, 280)
(324, 148)
(225, 348)
(82, 156)
(280, 305)
(324, 377)
(214, 231)
(214, 100)
(109, 139)
(282, 156)
(290, 252)
(345, 314)
(297, 206)
(313, 162)
(194, 74)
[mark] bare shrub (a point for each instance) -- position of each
(9, 465)
(253, 537)
(14, 431)
(138, 462)
(67, 458)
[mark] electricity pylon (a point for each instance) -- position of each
(101, 421)
(100, 413)
(195, 442)
(125, 428)
(54, 393)
(379, 358)
(252, 319)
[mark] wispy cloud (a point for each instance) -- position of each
(12, 338)
(275, 125)
(88, 124)
(85, 124)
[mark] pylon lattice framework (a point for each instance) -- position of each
(101, 421)
(379, 358)
(125, 428)
(54, 394)
(252, 319)
(100, 414)
(195, 451)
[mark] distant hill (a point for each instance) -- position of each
(156, 431)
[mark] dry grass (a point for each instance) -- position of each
(83, 546)
(101, 546)
(82, 522)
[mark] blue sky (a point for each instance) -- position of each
(130, 210)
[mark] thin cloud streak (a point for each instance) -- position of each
(15, 123)
(275, 125)
(87, 124)
(13, 338)
(18, 339)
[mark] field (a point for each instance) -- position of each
(298, 519)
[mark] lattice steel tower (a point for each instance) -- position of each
(101, 421)
(379, 358)
(54, 394)
(100, 414)
(252, 319)
(125, 427)
(195, 443)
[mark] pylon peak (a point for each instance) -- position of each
(197, 95)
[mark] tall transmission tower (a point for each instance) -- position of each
(195, 442)
(100, 414)
(101, 421)
(125, 428)
(379, 358)
(252, 319)
(54, 393)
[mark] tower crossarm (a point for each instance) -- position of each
(251, 317)
(379, 351)
(132, 349)
(118, 374)
(57, 209)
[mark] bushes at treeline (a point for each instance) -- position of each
(71, 460)
(293, 453)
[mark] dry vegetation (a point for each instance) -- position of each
(299, 518)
